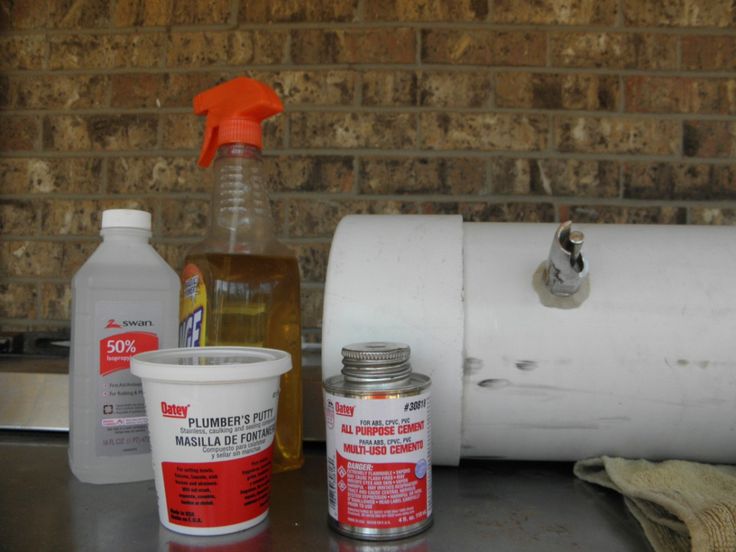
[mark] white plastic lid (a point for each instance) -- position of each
(126, 218)
(210, 364)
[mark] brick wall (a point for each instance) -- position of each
(502, 110)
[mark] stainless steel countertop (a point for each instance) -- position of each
(499, 506)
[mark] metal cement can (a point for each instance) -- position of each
(379, 452)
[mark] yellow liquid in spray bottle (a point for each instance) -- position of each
(253, 300)
(240, 286)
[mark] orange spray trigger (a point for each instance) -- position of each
(234, 113)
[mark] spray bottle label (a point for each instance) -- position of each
(379, 460)
(192, 308)
(123, 329)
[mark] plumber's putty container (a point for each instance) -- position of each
(640, 361)
(212, 417)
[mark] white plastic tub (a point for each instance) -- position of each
(212, 417)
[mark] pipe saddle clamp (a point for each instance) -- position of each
(567, 269)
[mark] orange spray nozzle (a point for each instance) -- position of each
(234, 111)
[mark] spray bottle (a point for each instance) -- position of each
(240, 286)
(124, 301)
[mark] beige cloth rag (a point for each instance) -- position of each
(681, 506)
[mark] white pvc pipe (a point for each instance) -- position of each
(645, 366)
(400, 278)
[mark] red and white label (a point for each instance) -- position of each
(116, 350)
(217, 494)
(379, 460)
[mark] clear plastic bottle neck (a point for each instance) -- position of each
(241, 213)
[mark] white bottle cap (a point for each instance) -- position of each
(126, 218)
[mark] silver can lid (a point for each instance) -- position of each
(373, 352)
(376, 361)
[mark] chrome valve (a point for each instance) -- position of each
(566, 266)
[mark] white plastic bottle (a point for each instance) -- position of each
(125, 300)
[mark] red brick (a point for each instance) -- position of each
(312, 261)
(389, 88)
(680, 95)
(182, 131)
(396, 175)
(579, 91)
(51, 176)
(709, 138)
(19, 133)
(141, 13)
(22, 52)
(709, 53)
(100, 132)
(679, 181)
(614, 214)
(319, 46)
(618, 135)
(179, 89)
(79, 14)
(146, 175)
(311, 87)
(56, 301)
(75, 217)
(554, 177)
(26, 259)
(184, 217)
(713, 215)
(679, 13)
(74, 254)
(24, 14)
(483, 131)
(352, 130)
(309, 174)
(614, 50)
(89, 51)
(552, 12)
(136, 90)
(18, 217)
(484, 47)
(437, 10)
(204, 48)
(455, 89)
(18, 300)
(298, 11)
(58, 92)
(312, 299)
(48, 176)
(201, 12)
(54, 14)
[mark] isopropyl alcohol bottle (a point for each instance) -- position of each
(124, 301)
(240, 286)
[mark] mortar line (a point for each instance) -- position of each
(489, 184)
(358, 178)
(234, 13)
(404, 109)
(385, 153)
(620, 22)
(481, 25)
(359, 66)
